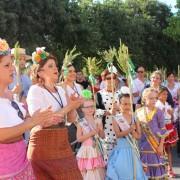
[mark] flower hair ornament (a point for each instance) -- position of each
(39, 55)
(86, 94)
(4, 48)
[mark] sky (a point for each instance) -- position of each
(171, 3)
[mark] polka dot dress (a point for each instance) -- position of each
(110, 137)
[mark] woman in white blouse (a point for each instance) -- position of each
(173, 87)
(13, 161)
(49, 151)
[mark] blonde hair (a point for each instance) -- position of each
(159, 73)
(146, 93)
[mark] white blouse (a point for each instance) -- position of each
(174, 90)
(40, 98)
(9, 115)
(76, 89)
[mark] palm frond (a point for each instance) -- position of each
(108, 55)
(92, 65)
(122, 57)
(16, 53)
(70, 56)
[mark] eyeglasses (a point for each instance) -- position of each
(16, 107)
(86, 107)
(140, 71)
(109, 78)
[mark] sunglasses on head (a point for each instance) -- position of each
(109, 78)
(16, 107)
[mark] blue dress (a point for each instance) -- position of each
(121, 163)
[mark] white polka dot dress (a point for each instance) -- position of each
(110, 137)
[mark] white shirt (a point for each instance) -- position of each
(76, 89)
(40, 98)
(138, 86)
(8, 114)
(164, 107)
(174, 90)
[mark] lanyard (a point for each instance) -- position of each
(58, 101)
(75, 89)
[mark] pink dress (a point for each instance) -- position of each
(89, 157)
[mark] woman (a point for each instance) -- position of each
(71, 87)
(106, 110)
(13, 161)
(173, 87)
(49, 151)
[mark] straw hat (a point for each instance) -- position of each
(21, 51)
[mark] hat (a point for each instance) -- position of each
(21, 51)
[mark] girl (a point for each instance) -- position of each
(177, 122)
(89, 156)
(124, 162)
(153, 135)
(172, 138)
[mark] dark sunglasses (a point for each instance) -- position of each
(16, 107)
(109, 78)
(140, 71)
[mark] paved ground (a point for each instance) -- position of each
(176, 165)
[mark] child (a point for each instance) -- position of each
(177, 122)
(89, 156)
(124, 162)
(153, 134)
(172, 138)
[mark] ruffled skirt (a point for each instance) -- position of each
(90, 163)
(172, 138)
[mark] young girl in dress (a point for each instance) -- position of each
(172, 138)
(177, 123)
(124, 162)
(89, 156)
(153, 135)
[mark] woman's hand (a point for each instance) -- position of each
(58, 118)
(17, 89)
(42, 117)
(75, 101)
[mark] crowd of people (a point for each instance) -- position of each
(56, 125)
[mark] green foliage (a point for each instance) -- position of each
(147, 27)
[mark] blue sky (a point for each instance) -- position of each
(171, 3)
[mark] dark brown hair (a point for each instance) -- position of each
(107, 72)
